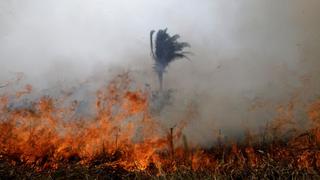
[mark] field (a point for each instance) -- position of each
(44, 139)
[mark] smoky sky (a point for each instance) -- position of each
(243, 50)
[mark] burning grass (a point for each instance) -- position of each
(46, 139)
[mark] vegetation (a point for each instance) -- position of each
(275, 160)
(165, 50)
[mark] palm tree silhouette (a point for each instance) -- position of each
(165, 50)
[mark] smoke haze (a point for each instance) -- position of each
(244, 51)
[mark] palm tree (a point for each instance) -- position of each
(166, 50)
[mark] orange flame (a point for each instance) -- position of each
(47, 134)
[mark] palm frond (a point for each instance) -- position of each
(180, 56)
(151, 43)
(167, 48)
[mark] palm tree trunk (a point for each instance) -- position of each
(160, 76)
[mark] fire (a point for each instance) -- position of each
(40, 133)
(46, 134)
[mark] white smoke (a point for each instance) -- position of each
(243, 50)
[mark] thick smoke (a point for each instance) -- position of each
(244, 51)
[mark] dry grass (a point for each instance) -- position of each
(274, 160)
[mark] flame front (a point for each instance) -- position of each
(40, 134)
(46, 134)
